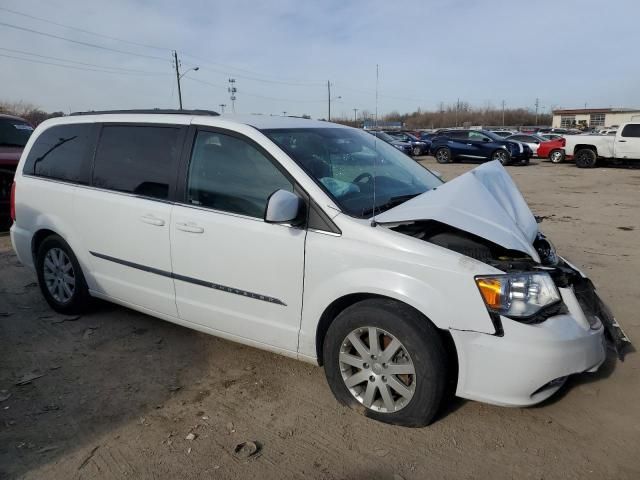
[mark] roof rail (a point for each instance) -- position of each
(159, 111)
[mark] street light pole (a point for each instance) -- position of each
(222, 105)
(179, 76)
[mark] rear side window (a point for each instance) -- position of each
(137, 159)
(14, 132)
(227, 173)
(631, 130)
(63, 153)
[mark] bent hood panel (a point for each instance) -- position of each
(484, 201)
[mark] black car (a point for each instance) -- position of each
(404, 147)
(420, 147)
(450, 145)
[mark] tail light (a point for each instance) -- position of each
(12, 202)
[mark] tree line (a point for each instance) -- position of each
(31, 113)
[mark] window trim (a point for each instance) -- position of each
(182, 134)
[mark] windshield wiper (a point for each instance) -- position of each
(392, 202)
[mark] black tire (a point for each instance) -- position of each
(419, 338)
(443, 155)
(416, 151)
(502, 155)
(525, 162)
(586, 158)
(79, 300)
(556, 156)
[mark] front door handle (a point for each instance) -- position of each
(622, 141)
(189, 227)
(151, 220)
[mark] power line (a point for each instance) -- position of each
(86, 44)
(66, 66)
(253, 94)
(130, 70)
(88, 32)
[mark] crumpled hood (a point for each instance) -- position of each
(484, 201)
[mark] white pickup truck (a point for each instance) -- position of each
(587, 149)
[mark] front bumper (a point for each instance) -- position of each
(530, 362)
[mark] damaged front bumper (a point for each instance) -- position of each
(528, 363)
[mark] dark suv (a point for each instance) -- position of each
(450, 145)
(14, 133)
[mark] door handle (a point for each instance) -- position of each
(623, 141)
(189, 227)
(470, 144)
(151, 220)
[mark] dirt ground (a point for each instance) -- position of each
(120, 392)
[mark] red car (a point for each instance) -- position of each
(14, 133)
(552, 149)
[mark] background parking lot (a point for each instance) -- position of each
(116, 393)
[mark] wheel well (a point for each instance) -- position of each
(337, 306)
(38, 238)
(585, 147)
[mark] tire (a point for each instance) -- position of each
(60, 277)
(502, 156)
(412, 399)
(556, 156)
(443, 155)
(416, 151)
(586, 158)
(525, 162)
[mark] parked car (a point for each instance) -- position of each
(14, 134)
(404, 147)
(586, 150)
(420, 147)
(503, 133)
(532, 141)
(274, 232)
(450, 145)
(607, 131)
(553, 149)
(550, 136)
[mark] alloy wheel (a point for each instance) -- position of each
(442, 155)
(502, 156)
(377, 369)
(59, 276)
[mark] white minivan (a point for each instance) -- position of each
(315, 241)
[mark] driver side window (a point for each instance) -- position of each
(227, 173)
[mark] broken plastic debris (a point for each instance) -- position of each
(28, 378)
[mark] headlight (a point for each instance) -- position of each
(518, 295)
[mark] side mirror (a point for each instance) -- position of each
(485, 139)
(283, 207)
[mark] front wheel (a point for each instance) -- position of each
(60, 277)
(387, 362)
(502, 156)
(443, 155)
(416, 151)
(556, 156)
(586, 158)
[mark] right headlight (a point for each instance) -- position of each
(518, 295)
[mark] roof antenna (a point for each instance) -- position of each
(373, 210)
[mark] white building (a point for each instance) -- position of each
(594, 117)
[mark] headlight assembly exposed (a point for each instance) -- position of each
(518, 295)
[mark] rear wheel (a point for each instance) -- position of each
(387, 362)
(556, 156)
(443, 155)
(586, 158)
(60, 277)
(416, 151)
(502, 156)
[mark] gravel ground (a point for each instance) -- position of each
(126, 395)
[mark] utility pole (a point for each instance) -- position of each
(503, 113)
(457, 109)
(232, 90)
(537, 105)
(355, 115)
(177, 65)
(222, 105)
(329, 99)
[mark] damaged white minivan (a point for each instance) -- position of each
(312, 240)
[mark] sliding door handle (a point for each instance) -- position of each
(189, 227)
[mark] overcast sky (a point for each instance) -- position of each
(282, 52)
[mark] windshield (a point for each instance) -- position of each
(14, 133)
(385, 136)
(348, 163)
